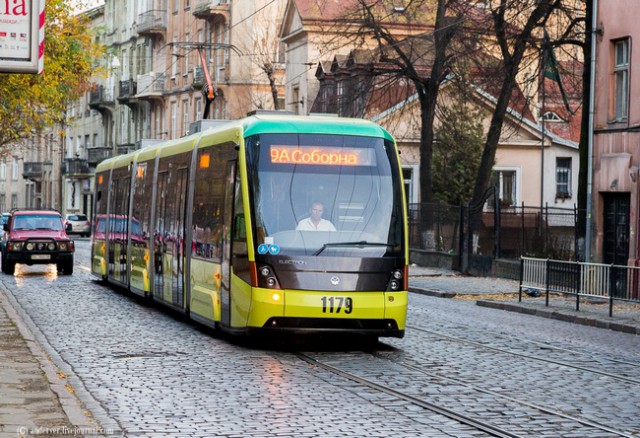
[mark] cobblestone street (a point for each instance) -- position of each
(133, 369)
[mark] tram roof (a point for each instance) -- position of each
(254, 125)
(312, 124)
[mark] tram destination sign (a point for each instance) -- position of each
(322, 156)
(21, 36)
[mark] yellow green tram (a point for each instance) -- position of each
(223, 226)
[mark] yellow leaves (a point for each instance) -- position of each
(35, 102)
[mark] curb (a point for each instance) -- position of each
(562, 315)
(546, 312)
(432, 293)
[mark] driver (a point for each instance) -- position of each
(315, 222)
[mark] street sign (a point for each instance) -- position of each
(22, 36)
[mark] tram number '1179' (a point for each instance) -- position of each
(337, 304)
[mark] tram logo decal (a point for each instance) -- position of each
(335, 280)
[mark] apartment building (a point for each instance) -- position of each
(161, 53)
(616, 137)
(158, 56)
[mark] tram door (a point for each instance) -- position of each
(225, 285)
(176, 250)
(159, 236)
(170, 222)
(117, 227)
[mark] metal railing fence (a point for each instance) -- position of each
(502, 232)
(610, 282)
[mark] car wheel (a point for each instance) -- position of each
(8, 267)
(66, 267)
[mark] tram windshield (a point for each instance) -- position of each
(325, 195)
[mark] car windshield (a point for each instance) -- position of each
(37, 222)
(77, 217)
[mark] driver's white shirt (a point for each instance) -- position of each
(307, 225)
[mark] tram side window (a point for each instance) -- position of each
(102, 183)
(142, 202)
(119, 204)
(208, 201)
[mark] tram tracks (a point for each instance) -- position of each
(538, 358)
(490, 429)
(426, 389)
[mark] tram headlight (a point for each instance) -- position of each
(397, 281)
(51, 246)
(267, 276)
(29, 246)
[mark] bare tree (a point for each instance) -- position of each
(516, 25)
(423, 59)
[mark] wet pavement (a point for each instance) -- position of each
(35, 398)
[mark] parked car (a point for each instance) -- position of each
(80, 224)
(36, 237)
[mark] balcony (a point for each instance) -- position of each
(198, 78)
(96, 155)
(151, 86)
(101, 98)
(125, 148)
(208, 9)
(127, 91)
(32, 170)
(75, 167)
(152, 23)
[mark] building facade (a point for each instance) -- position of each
(162, 57)
(615, 194)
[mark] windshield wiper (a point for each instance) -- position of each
(361, 243)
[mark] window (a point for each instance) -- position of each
(505, 187)
(185, 70)
(174, 120)
(14, 169)
(175, 58)
(410, 178)
(295, 97)
(185, 117)
(3, 169)
(621, 79)
(563, 178)
(198, 109)
(550, 116)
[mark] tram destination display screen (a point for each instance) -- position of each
(322, 156)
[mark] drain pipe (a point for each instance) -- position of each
(592, 82)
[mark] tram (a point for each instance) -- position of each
(219, 225)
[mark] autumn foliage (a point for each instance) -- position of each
(30, 104)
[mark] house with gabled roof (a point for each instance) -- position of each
(314, 31)
(535, 163)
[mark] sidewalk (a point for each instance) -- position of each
(502, 294)
(35, 398)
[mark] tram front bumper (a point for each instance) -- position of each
(296, 311)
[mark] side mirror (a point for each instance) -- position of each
(5, 227)
(67, 228)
